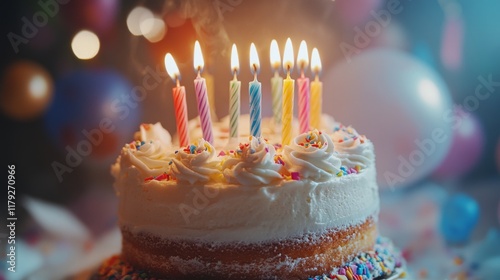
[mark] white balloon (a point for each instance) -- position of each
(401, 104)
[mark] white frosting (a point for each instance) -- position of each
(197, 165)
(241, 198)
(252, 164)
(149, 153)
(236, 213)
(317, 163)
(155, 132)
(149, 158)
(353, 149)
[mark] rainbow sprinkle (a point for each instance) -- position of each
(312, 140)
(161, 177)
(196, 148)
(380, 263)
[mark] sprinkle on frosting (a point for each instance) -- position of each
(312, 156)
(315, 155)
(147, 156)
(353, 149)
(155, 132)
(252, 163)
(162, 177)
(195, 163)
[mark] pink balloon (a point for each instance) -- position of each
(452, 43)
(355, 12)
(398, 103)
(466, 148)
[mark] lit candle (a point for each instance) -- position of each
(316, 90)
(255, 94)
(303, 85)
(276, 84)
(200, 88)
(234, 95)
(288, 91)
(179, 94)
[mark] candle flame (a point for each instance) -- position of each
(275, 56)
(235, 62)
(254, 60)
(288, 56)
(172, 69)
(199, 63)
(315, 61)
(303, 56)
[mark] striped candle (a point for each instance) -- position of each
(288, 92)
(200, 88)
(316, 91)
(303, 85)
(316, 97)
(234, 107)
(234, 95)
(179, 94)
(255, 93)
(277, 91)
(181, 116)
(276, 84)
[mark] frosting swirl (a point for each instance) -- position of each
(353, 148)
(195, 163)
(150, 158)
(252, 164)
(154, 132)
(312, 155)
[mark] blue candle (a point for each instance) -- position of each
(255, 93)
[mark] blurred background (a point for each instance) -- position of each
(420, 78)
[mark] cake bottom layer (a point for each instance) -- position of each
(382, 262)
(298, 258)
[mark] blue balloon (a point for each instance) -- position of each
(459, 216)
(93, 114)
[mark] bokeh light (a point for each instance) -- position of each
(153, 29)
(429, 92)
(85, 44)
(38, 87)
(135, 18)
(26, 90)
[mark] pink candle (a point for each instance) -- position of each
(180, 106)
(179, 93)
(304, 91)
(200, 87)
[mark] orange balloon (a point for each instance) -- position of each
(27, 90)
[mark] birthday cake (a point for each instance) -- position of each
(250, 208)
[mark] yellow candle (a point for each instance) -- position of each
(209, 79)
(276, 85)
(288, 92)
(316, 91)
